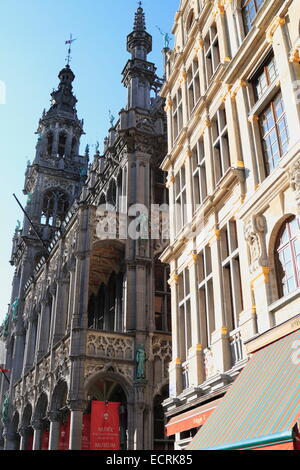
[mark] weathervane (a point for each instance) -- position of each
(69, 42)
(140, 4)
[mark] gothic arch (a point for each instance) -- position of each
(26, 416)
(41, 406)
(271, 253)
(59, 396)
(114, 376)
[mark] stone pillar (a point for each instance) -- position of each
(175, 368)
(139, 414)
(23, 431)
(11, 441)
(222, 33)
(41, 339)
(30, 343)
(59, 310)
(38, 427)
(239, 96)
(219, 338)
(55, 418)
(77, 409)
(196, 361)
(185, 116)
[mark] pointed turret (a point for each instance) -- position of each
(139, 74)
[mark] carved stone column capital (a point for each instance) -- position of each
(38, 424)
(55, 416)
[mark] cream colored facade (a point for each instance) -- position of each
(232, 100)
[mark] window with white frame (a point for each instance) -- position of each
(180, 199)
(184, 305)
(272, 119)
(231, 276)
(250, 8)
(193, 86)
(211, 51)
(206, 295)
(221, 159)
(177, 114)
(199, 174)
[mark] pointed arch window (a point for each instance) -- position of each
(62, 144)
(55, 207)
(50, 139)
(250, 8)
(287, 257)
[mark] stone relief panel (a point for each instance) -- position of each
(161, 354)
(110, 346)
(254, 231)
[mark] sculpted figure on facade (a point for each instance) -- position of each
(294, 177)
(254, 231)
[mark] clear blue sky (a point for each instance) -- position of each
(32, 52)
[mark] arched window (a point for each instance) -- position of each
(105, 308)
(287, 253)
(62, 144)
(250, 9)
(49, 142)
(112, 194)
(190, 21)
(55, 207)
(74, 145)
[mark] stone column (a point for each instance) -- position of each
(219, 338)
(30, 343)
(222, 33)
(196, 361)
(77, 410)
(175, 368)
(185, 116)
(23, 431)
(139, 414)
(38, 427)
(55, 418)
(41, 347)
(11, 441)
(59, 310)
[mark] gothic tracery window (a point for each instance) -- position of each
(62, 144)
(55, 206)
(287, 254)
(49, 142)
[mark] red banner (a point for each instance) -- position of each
(105, 426)
(86, 430)
(30, 441)
(45, 440)
(64, 435)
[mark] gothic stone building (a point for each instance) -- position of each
(233, 163)
(82, 305)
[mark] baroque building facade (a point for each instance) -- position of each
(233, 112)
(89, 317)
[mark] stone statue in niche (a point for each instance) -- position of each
(140, 362)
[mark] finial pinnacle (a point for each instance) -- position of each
(69, 42)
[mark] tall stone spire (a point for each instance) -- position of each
(139, 74)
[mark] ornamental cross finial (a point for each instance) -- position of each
(69, 42)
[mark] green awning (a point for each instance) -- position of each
(264, 400)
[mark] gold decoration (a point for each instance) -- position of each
(278, 21)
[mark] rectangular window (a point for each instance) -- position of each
(206, 295)
(180, 200)
(193, 86)
(265, 77)
(232, 287)
(162, 304)
(199, 174)
(274, 132)
(220, 144)
(185, 314)
(212, 52)
(177, 114)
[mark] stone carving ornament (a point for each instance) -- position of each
(294, 177)
(254, 231)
